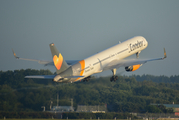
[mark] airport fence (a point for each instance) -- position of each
(156, 115)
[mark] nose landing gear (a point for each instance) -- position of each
(137, 54)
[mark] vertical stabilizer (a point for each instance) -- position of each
(58, 60)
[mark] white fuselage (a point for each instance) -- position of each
(97, 62)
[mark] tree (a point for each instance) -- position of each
(153, 109)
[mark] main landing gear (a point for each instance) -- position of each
(114, 77)
(86, 79)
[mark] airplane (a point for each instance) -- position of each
(108, 59)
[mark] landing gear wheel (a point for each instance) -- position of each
(86, 79)
(113, 78)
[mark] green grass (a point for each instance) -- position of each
(62, 119)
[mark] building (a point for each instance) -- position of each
(175, 107)
(93, 109)
(63, 108)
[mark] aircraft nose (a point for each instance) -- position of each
(145, 43)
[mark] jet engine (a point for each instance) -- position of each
(57, 78)
(132, 68)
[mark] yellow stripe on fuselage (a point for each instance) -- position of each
(82, 63)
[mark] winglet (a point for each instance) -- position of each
(15, 54)
(165, 55)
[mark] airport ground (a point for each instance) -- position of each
(97, 119)
(68, 119)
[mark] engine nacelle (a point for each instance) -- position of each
(57, 78)
(132, 68)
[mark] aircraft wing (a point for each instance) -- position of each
(44, 62)
(125, 63)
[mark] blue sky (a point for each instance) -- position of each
(81, 28)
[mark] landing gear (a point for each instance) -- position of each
(86, 79)
(114, 77)
(137, 54)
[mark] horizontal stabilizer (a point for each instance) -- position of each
(49, 76)
(73, 76)
(41, 76)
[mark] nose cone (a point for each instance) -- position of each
(145, 42)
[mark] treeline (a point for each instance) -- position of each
(128, 94)
(72, 115)
(158, 79)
